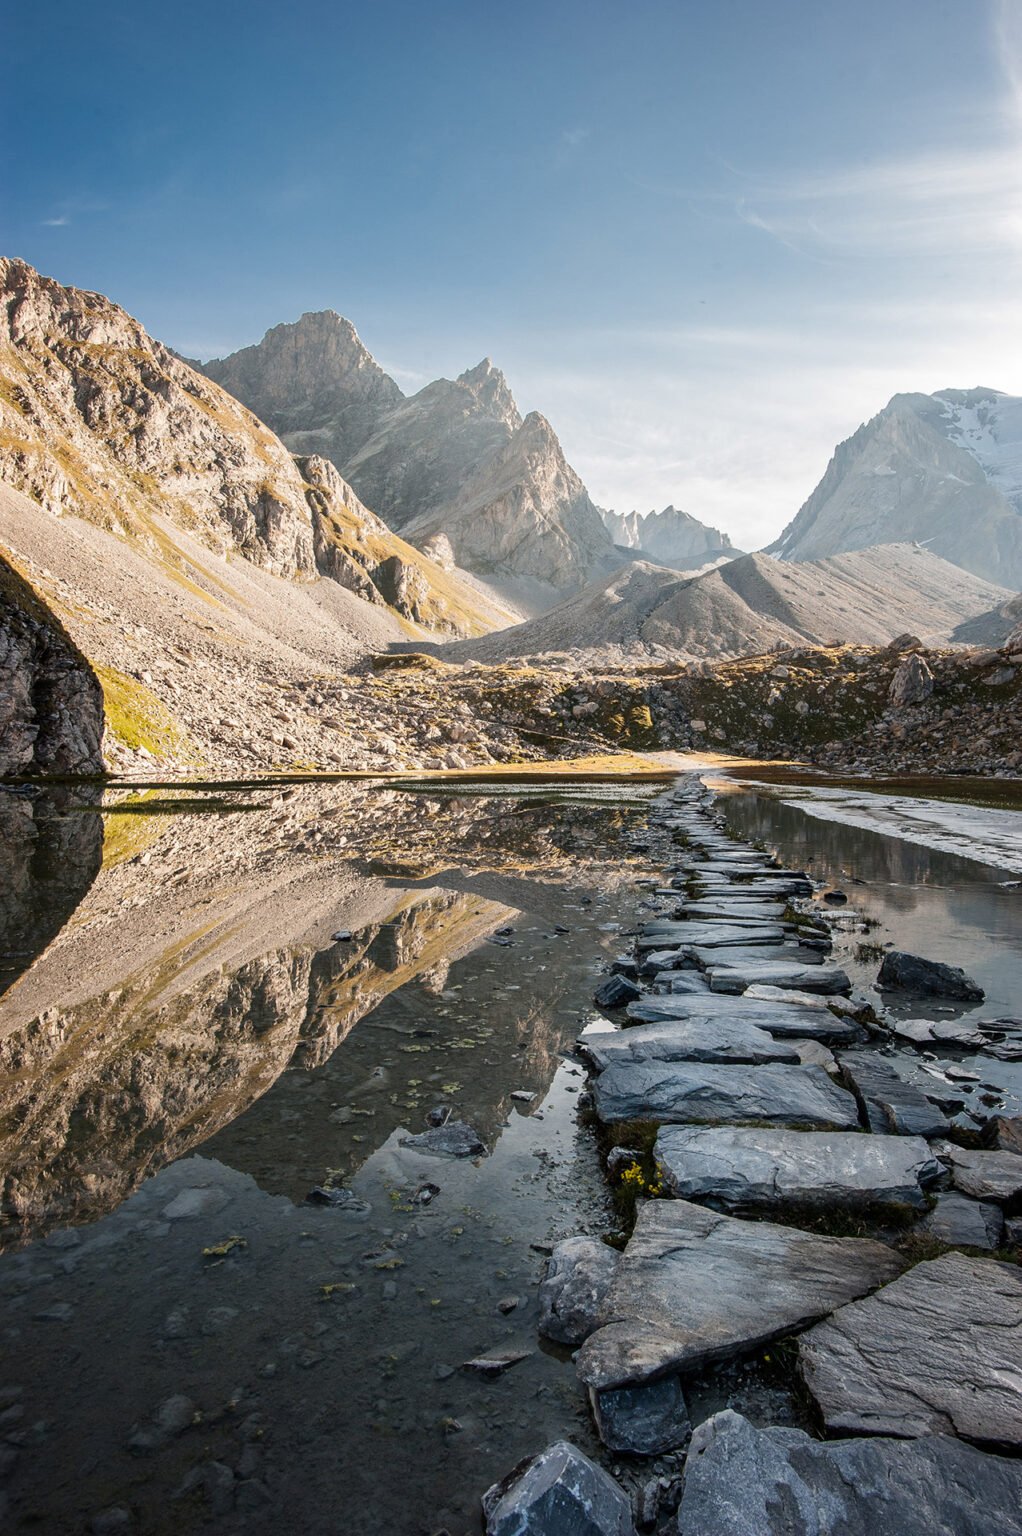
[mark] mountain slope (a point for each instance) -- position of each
(453, 463)
(671, 537)
(944, 470)
(750, 605)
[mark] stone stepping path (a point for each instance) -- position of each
(752, 1169)
(719, 1039)
(694, 1286)
(707, 1093)
(742, 1481)
(662, 935)
(938, 1351)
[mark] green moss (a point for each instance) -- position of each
(138, 719)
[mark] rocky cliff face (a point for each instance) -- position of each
(51, 703)
(670, 537)
(944, 470)
(454, 461)
(314, 383)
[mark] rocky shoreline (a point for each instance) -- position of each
(791, 1192)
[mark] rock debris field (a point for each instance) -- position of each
(791, 1191)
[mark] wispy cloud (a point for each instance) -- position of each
(57, 223)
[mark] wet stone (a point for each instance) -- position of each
(782, 1020)
(644, 1420)
(890, 1103)
(911, 973)
(779, 973)
(615, 992)
(694, 1287)
(710, 1093)
(742, 1481)
(697, 1039)
(963, 1223)
(664, 935)
(455, 1139)
(572, 1294)
(753, 1169)
(560, 1492)
(938, 1351)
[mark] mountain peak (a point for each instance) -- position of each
(492, 391)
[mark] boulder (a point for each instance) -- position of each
(615, 992)
(712, 1093)
(889, 1102)
(560, 1492)
(939, 1351)
(742, 1481)
(910, 973)
(697, 1039)
(963, 1223)
(572, 1294)
(912, 682)
(644, 1420)
(694, 1287)
(749, 1168)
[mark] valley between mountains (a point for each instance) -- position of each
(278, 561)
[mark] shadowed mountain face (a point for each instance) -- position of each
(454, 462)
(944, 470)
(51, 849)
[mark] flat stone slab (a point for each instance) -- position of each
(891, 1104)
(940, 1032)
(742, 1481)
(938, 1351)
(963, 1223)
(668, 935)
(722, 909)
(986, 1175)
(783, 1020)
(735, 956)
(694, 1286)
(743, 1168)
(707, 1093)
(718, 1039)
(779, 973)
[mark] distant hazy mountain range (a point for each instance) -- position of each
(670, 537)
(943, 470)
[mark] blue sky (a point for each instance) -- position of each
(705, 239)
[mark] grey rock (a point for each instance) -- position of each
(726, 911)
(643, 1420)
(709, 1093)
(779, 973)
(890, 1103)
(742, 1481)
(572, 1294)
(910, 973)
(912, 682)
(658, 936)
(455, 1139)
(112, 1522)
(1013, 1232)
(615, 992)
(939, 1351)
(1005, 1132)
(986, 1175)
(697, 1039)
(782, 1020)
(963, 1223)
(560, 1492)
(694, 1287)
(744, 1168)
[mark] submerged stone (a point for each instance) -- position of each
(455, 1139)
(743, 1168)
(560, 1492)
(708, 1093)
(742, 1481)
(938, 1351)
(694, 1287)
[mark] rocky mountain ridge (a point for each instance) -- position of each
(455, 461)
(750, 605)
(944, 470)
(671, 537)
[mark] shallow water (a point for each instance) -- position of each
(187, 1050)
